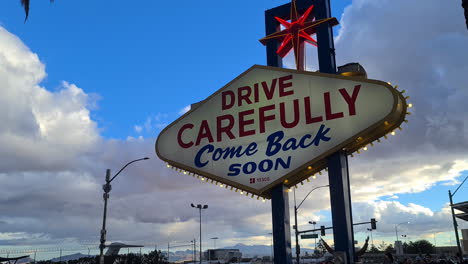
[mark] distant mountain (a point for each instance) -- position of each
(25, 260)
(181, 255)
(69, 257)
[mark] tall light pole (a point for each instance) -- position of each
(200, 207)
(455, 225)
(396, 229)
(298, 249)
(314, 223)
(194, 241)
(107, 188)
(214, 245)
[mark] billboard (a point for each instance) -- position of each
(273, 125)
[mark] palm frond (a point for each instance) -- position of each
(465, 6)
(25, 4)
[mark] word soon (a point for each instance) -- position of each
(263, 166)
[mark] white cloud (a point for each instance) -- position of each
(184, 110)
(138, 129)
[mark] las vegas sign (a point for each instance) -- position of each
(272, 125)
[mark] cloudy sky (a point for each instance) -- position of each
(86, 86)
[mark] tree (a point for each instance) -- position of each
(320, 247)
(25, 4)
(374, 250)
(420, 247)
(155, 257)
(382, 246)
(389, 249)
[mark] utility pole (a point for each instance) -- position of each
(200, 207)
(455, 225)
(107, 188)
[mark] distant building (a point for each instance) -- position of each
(223, 255)
(464, 241)
(447, 251)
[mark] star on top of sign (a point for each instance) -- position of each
(296, 32)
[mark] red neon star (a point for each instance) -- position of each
(297, 32)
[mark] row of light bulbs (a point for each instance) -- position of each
(222, 185)
(393, 133)
(242, 192)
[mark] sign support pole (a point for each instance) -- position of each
(338, 173)
(279, 194)
(281, 225)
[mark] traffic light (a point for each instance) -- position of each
(373, 223)
(322, 230)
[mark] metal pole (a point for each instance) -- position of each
(281, 225)
(455, 227)
(396, 232)
(200, 237)
(338, 173)
(107, 187)
(298, 248)
(167, 251)
(315, 239)
(340, 198)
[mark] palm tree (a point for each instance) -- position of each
(25, 4)
(465, 6)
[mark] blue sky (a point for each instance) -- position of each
(114, 67)
(146, 58)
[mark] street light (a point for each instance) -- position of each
(405, 236)
(214, 246)
(314, 223)
(396, 229)
(455, 225)
(400, 246)
(298, 249)
(107, 188)
(200, 207)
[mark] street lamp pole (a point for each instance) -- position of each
(315, 242)
(455, 225)
(200, 207)
(107, 188)
(396, 229)
(298, 249)
(194, 241)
